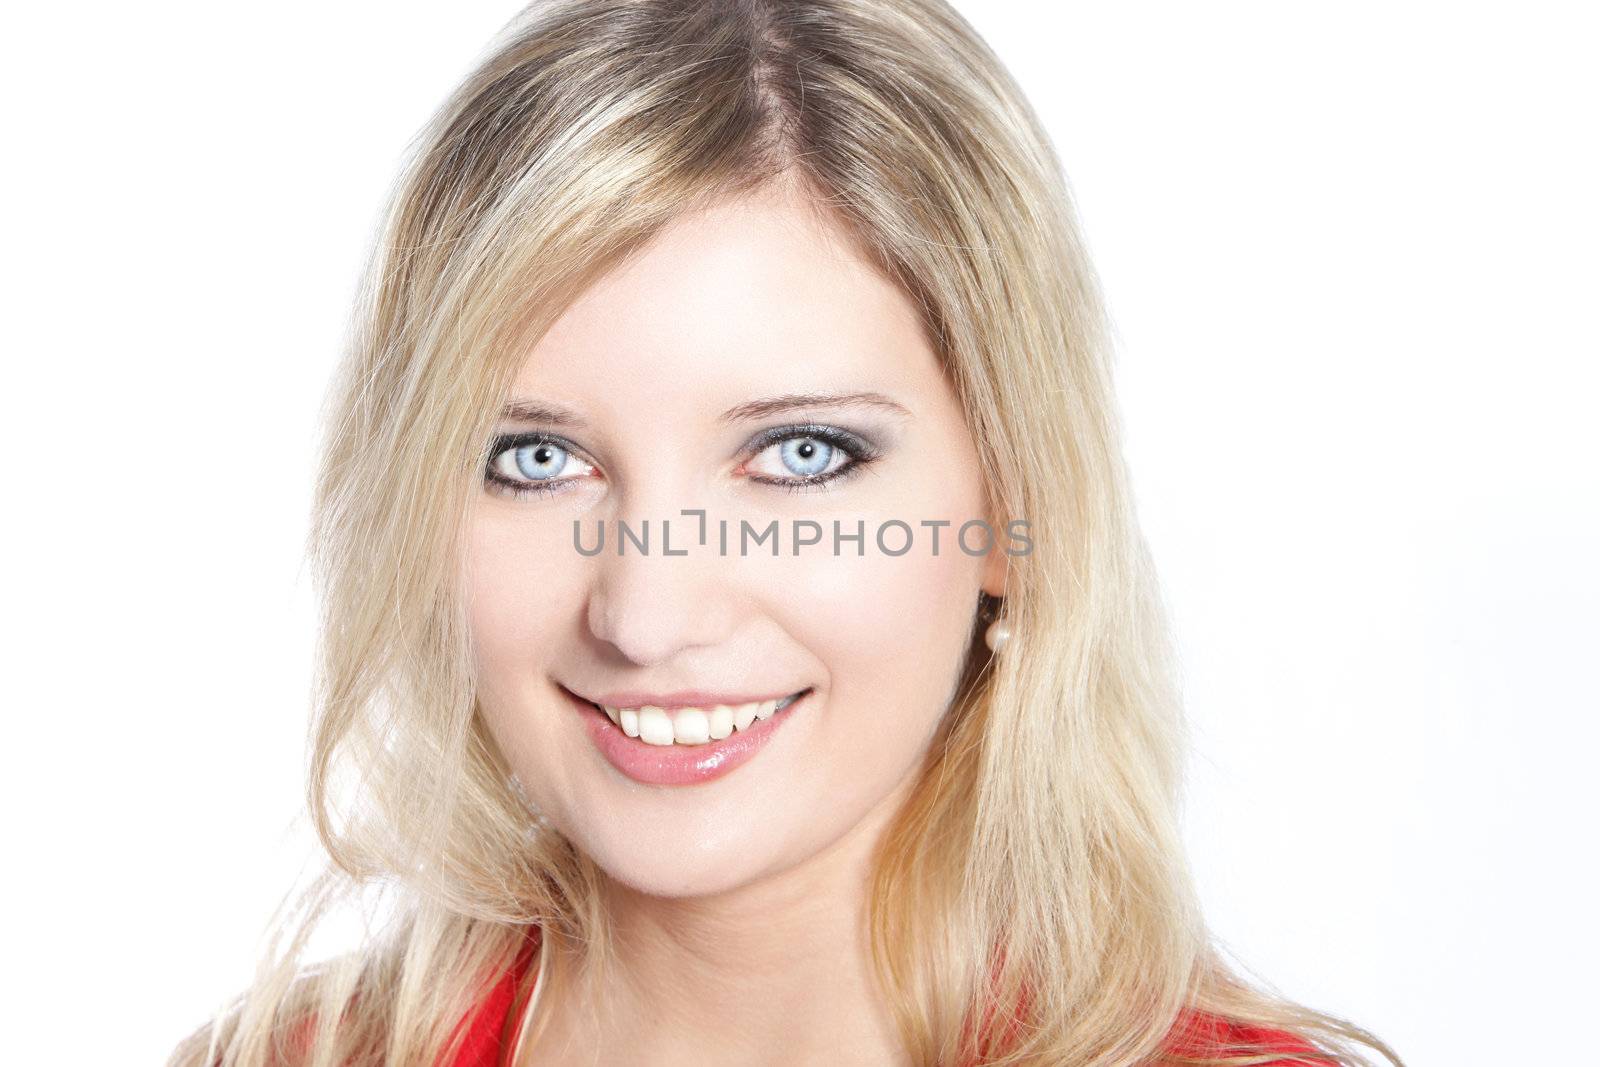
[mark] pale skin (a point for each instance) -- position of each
(738, 903)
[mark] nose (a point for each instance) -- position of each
(652, 606)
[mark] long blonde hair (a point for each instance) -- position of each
(1037, 872)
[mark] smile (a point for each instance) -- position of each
(682, 738)
(656, 725)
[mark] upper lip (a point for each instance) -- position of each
(679, 698)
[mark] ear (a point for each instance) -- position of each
(998, 562)
(994, 570)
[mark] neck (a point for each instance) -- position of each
(775, 971)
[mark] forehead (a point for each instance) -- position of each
(759, 293)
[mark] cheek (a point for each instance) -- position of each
(516, 602)
(520, 606)
(893, 633)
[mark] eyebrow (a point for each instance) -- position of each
(553, 415)
(772, 405)
(537, 411)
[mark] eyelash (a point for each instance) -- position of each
(860, 451)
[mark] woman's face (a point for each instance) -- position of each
(679, 382)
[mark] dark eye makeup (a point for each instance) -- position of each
(543, 446)
(810, 439)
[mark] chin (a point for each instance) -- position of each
(670, 844)
(679, 866)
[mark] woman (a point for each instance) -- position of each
(739, 647)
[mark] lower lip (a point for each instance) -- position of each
(678, 764)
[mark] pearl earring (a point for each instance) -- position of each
(997, 635)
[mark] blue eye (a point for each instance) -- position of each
(805, 456)
(809, 455)
(796, 458)
(533, 463)
(542, 460)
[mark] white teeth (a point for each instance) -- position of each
(655, 725)
(691, 726)
(743, 716)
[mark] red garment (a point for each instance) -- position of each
(493, 1030)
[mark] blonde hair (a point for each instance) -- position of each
(1037, 872)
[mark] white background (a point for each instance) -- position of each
(1351, 252)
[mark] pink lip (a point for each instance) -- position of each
(676, 764)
